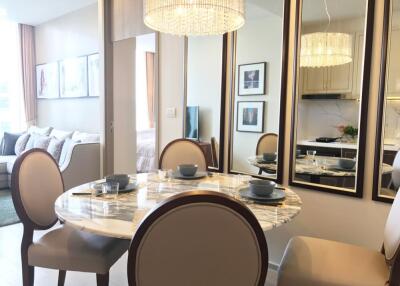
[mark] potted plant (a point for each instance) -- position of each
(349, 133)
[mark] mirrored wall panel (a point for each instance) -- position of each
(387, 158)
(205, 97)
(256, 104)
(326, 137)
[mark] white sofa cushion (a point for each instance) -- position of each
(85, 137)
(3, 181)
(41, 142)
(7, 163)
(41, 131)
(61, 134)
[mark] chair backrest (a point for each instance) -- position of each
(182, 151)
(214, 152)
(198, 238)
(396, 171)
(36, 183)
(268, 143)
(391, 239)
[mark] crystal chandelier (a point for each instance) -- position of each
(194, 17)
(324, 49)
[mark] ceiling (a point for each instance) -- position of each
(35, 12)
(313, 10)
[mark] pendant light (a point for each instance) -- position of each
(325, 49)
(194, 17)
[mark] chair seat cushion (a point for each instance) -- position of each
(311, 261)
(66, 248)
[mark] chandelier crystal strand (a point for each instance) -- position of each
(194, 17)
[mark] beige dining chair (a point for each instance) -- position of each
(312, 261)
(267, 143)
(36, 184)
(198, 238)
(182, 151)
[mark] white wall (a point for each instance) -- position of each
(171, 87)
(204, 73)
(260, 40)
(72, 35)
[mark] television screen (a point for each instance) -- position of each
(192, 122)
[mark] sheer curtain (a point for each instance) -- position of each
(12, 114)
(27, 42)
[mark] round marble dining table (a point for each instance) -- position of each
(120, 216)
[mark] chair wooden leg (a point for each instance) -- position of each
(28, 272)
(102, 279)
(61, 277)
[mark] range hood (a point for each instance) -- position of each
(329, 96)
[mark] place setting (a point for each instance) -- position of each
(267, 158)
(263, 192)
(188, 172)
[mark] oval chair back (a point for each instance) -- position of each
(182, 151)
(391, 237)
(36, 184)
(268, 143)
(198, 238)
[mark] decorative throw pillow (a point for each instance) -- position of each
(31, 141)
(45, 131)
(61, 134)
(85, 137)
(9, 140)
(68, 144)
(55, 148)
(20, 145)
(1, 146)
(41, 142)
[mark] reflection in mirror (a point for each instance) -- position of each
(328, 98)
(256, 106)
(204, 64)
(387, 160)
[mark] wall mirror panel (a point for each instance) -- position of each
(331, 87)
(387, 158)
(204, 104)
(259, 90)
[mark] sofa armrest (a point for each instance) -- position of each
(81, 165)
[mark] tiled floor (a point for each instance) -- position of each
(10, 269)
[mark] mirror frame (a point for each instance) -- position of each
(283, 95)
(365, 89)
(220, 168)
(381, 107)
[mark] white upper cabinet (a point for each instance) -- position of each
(393, 64)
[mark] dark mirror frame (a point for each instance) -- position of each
(369, 28)
(381, 107)
(220, 168)
(282, 108)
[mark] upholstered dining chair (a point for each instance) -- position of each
(312, 261)
(267, 143)
(198, 238)
(182, 151)
(36, 184)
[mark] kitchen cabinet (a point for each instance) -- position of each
(393, 64)
(336, 79)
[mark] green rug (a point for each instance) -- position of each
(7, 212)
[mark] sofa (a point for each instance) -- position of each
(77, 154)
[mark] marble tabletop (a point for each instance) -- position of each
(321, 166)
(120, 217)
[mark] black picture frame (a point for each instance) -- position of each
(259, 108)
(262, 78)
(358, 193)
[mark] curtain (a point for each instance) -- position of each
(150, 87)
(28, 61)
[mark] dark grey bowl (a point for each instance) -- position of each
(187, 169)
(262, 188)
(122, 179)
(269, 157)
(347, 164)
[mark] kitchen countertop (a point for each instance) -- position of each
(342, 145)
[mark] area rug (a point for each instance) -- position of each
(7, 212)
